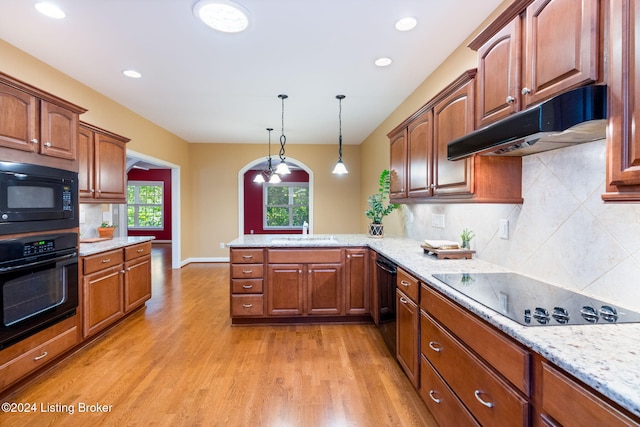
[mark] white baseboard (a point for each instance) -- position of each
(216, 259)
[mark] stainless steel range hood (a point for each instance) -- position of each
(573, 117)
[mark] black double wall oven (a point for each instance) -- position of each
(38, 249)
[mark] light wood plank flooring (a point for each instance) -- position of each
(179, 362)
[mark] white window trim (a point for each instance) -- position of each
(142, 183)
(265, 188)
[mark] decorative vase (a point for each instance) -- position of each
(106, 232)
(376, 230)
(466, 244)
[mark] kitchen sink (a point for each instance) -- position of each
(306, 240)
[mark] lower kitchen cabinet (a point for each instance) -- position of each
(408, 326)
(357, 290)
(137, 275)
(247, 282)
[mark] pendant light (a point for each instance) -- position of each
(283, 168)
(268, 174)
(340, 168)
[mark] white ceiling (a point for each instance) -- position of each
(206, 86)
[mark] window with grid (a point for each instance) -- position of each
(286, 205)
(145, 208)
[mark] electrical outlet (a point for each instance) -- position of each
(221, 245)
(437, 220)
(504, 229)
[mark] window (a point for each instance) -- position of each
(145, 209)
(286, 205)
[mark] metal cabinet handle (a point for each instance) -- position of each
(247, 256)
(47, 144)
(510, 99)
(42, 356)
(140, 250)
(104, 261)
(403, 300)
(431, 395)
(247, 271)
(247, 286)
(405, 283)
(34, 141)
(525, 91)
(247, 305)
(435, 346)
(479, 399)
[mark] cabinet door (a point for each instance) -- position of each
(407, 335)
(623, 140)
(103, 299)
(420, 138)
(357, 287)
(58, 131)
(453, 117)
(398, 164)
(85, 163)
(18, 119)
(285, 293)
(137, 282)
(561, 42)
(110, 174)
(498, 77)
(324, 289)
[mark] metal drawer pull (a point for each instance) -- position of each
(431, 393)
(405, 283)
(435, 346)
(34, 141)
(42, 356)
(404, 301)
(104, 261)
(479, 399)
(525, 91)
(247, 256)
(510, 100)
(247, 286)
(247, 305)
(247, 271)
(140, 250)
(47, 144)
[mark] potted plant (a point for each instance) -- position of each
(466, 237)
(377, 208)
(106, 230)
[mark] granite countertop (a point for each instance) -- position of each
(606, 357)
(87, 249)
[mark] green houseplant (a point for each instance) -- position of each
(379, 207)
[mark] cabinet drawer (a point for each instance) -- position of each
(569, 403)
(293, 256)
(408, 284)
(247, 305)
(489, 398)
(247, 256)
(102, 260)
(39, 356)
(247, 271)
(511, 360)
(246, 286)
(441, 401)
(136, 251)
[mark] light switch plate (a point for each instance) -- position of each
(437, 220)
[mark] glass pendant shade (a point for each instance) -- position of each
(340, 168)
(259, 178)
(275, 179)
(283, 168)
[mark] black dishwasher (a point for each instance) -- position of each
(386, 271)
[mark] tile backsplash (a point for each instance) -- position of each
(563, 233)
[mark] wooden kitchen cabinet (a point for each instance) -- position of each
(286, 294)
(324, 289)
(102, 165)
(408, 326)
(41, 128)
(357, 290)
(623, 140)
(535, 51)
(137, 275)
(420, 171)
(247, 282)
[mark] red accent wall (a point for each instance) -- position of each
(253, 202)
(163, 175)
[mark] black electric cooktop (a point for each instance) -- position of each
(534, 303)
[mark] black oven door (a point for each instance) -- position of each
(37, 294)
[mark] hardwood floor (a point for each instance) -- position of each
(180, 362)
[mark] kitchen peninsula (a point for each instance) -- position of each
(582, 351)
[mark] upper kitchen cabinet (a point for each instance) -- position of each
(36, 127)
(533, 51)
(623, 142)
(420, 171)
(102, 158)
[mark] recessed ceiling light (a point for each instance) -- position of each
(383, 62)
(50, 10)
(222, 15)
(132, 73)
(406, 24)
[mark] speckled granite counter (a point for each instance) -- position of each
(87, 249)
(607, 357)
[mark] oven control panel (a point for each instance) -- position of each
(39, 247)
